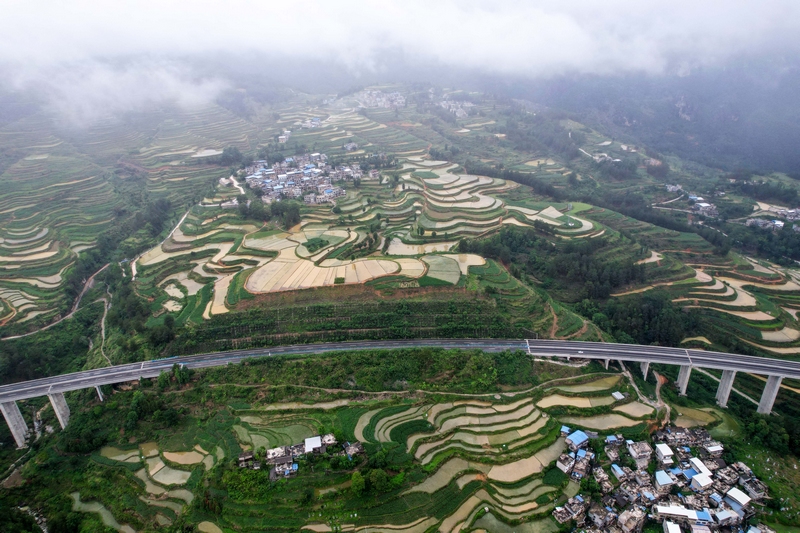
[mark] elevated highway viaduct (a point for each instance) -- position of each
(54, 387)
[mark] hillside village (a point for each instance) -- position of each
(680, 481)
(307, 176)
(282, 460)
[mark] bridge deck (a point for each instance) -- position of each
(543, 348)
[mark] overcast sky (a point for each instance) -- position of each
(61, 48)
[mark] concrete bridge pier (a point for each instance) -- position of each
(99, 392)
(60, 406)
(683, 379)
(15, 423)
(645, 365)
(725, 386)
(770, 393)
(606, 362)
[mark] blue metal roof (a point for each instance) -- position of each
(578, 438)
(689, 473)
(662, 478)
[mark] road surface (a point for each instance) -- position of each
(542, 348)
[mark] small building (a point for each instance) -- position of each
(577, 440)
(714, 449)
(641, 453)
(566, 462)
(612, 452)
(247, 460)
(701, 482)
(664, 454)
(739, 497)
(671, 527)
(724, 518)
(353, 449)
(631, 520)
(663, 481)
(754, 487)
(618, 472)
(675, 512)
(276, 453)
(314, 445)
(602, 516)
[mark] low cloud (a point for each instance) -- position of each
(82, 92)
(522, 38)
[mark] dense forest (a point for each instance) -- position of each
(575, 263)
(646, 318)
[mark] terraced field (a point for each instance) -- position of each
(471, 453)
(756, 304)
(213, 260)
(158, 478)
(63, 188)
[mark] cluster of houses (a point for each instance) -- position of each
(699, 204)
(381, 99)
(458, 108)
(284, 137)
(306, 176)
(281, 460)
(702, 207)
(782, 212)
(763, 223)
(790, 215)
(691, 490)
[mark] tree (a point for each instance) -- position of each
(230, 155)
(163, 380)
(130, 420)
(379, 480)
(357, 483)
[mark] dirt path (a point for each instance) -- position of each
(642, 398)
(106, 307)
(554, 327)
(86, 286)
(578, 333)
(661, 381)
(669, 201)
(178, 225)
(237, 185)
